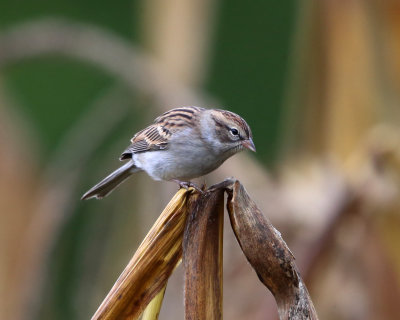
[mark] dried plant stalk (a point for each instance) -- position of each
(269, 256)
(202, 257)
(149, 269)
(199, 239)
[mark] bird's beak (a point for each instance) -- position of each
(249, 144)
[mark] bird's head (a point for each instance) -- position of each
(227, 132)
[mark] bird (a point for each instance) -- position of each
(182, 144)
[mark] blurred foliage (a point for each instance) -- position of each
(249, 68)
(118, 16)
(53, 92)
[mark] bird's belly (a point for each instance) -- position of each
(169, 165)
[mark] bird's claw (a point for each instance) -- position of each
(187, 184)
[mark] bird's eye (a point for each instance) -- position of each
(234, 131)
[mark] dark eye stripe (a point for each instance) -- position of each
(238, 120)
(220, 124)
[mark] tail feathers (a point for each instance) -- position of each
(108, 184)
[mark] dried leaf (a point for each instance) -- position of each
(269, 256)
(202, 257)
(149, 269)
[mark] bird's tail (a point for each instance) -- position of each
(109, 183)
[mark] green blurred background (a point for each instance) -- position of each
(317, 82)
(247, 68)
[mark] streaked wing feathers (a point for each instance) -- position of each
(157, 135)
(150, 138)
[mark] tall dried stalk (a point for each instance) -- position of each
(201, 240)
(202, 257)
(149, 269)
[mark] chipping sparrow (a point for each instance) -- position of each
(182, 144)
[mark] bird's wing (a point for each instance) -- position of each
(158, 135)
(154, 137)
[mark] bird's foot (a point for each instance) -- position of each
(187, 184)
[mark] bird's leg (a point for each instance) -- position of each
(187, 185)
